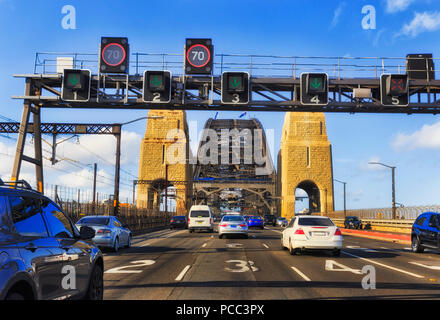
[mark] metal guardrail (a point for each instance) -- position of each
(406, 224)
(256, 65)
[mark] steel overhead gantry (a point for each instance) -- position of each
(56, 129)
(267, 94)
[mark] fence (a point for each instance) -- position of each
(405, 213)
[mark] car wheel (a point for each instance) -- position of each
(282, 244)
(291, 250)
(220, 236)
(336, 253)
(116, 245)
(246, 236)
(415, 245)
(15, 296)
(96, 285)
(129, 242)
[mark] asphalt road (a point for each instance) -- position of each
(174, 264)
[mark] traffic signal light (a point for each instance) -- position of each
(76, 85)
(235, 88)
(113, 57)
(157, 86)
(394, 90)
(314, 89)
(199, 55)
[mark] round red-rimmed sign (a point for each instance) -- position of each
(113, 54)
(198, 55)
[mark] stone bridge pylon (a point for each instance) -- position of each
(305, 162)
(164, 156)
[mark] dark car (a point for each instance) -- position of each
(269, 219)
(42, 253)
(352, 222)
(255, 222)
(178, 222)
(425, 232)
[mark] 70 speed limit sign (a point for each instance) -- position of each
(198, 56)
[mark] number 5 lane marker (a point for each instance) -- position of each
(385, 266)
(301, 274)
(182, 274)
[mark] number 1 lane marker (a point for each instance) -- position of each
(301, 274)
(182, 274)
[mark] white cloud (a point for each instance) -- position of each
(427, 137)
(426, 21)
(397, 5)
(337, 14)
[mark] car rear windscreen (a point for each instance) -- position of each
(232, 218)
(325, 222)
(179, 218)
(199, 214)
(255, 217)
(94, 220)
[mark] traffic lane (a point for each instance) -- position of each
(345, 272)
(148, 270)
(239, 269)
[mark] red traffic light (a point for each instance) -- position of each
(397, 85)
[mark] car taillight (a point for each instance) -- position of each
(242, 225)
(188, 220)
(223, 225)
(338, 232)
(104, 231)
(172, 221)
(212, 221)
(299, 231)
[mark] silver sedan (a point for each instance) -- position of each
(109, 231)
(232, 224)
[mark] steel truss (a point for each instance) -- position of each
(55, 129)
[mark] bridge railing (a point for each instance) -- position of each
(405, 213)
(256, 65)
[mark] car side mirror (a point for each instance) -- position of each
(86, 233)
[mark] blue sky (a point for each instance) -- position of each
(290, 28)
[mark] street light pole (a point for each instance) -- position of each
(393, 189)
(345, 208)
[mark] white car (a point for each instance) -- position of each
(233, 224)
(311, 232)
(200, 218)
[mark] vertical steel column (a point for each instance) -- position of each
(22, 133)
(117, 133)
(38, 150)
(95, 165)
(393, 192)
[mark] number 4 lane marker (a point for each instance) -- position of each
(182, 274)
(385, 266)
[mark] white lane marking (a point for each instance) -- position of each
(253, 267)
(234, 245)
(353, 247)
(385, 266)
(144, 245)
(410, 249)
(426, 266)
(384, 248)
(139, 263)
(266, 246)
(330, 263)
(301, 274)
(204, 245)
(182, 274)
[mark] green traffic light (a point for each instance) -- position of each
(235, 82)
(315, 83)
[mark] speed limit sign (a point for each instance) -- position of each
(198, 56)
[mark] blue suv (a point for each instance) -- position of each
(425, 232)
(42, 253)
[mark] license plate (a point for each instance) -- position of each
(319, 233)
(199, 221)
(233, 226)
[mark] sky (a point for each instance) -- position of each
(278, 27)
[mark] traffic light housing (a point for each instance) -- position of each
(394, 90)
(199, 56)
(314, 89)
(76, 85)
(157, 86)
(114, 54)
(235, 88)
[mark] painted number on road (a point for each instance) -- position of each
(241, 266)
(135, 264)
